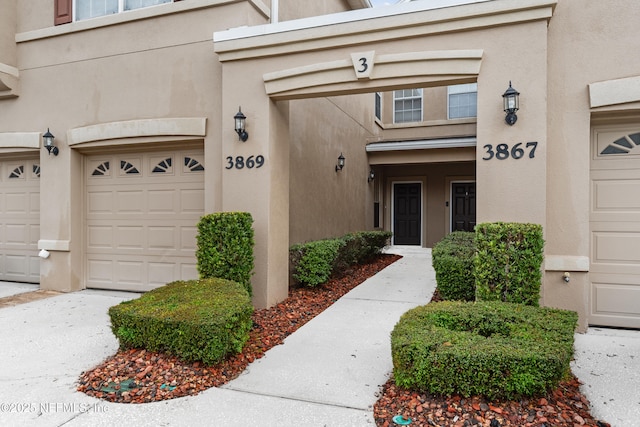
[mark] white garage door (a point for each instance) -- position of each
(19, 220)
(615, 228)
(142, 211)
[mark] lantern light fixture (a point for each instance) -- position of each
(47, 139)
(511, 101)
(372, 176)
(340, 164)
(240, 123)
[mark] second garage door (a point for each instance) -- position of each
(19, 220)
(141, 214)
(615, 228)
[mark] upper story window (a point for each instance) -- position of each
(407, 105)
(463, 101)
(378, 106)
(85, 9)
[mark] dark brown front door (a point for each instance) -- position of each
(464, 206)
(407, 214)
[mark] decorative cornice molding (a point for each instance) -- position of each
(377, 24)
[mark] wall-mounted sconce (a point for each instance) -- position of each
(372, 176)
(340, 164)
(566, 276)
(511, 100)
(47, 140)
(241, 120)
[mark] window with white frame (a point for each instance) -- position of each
(407, 105)
(85, 9)
(463, 101)
(378, 106)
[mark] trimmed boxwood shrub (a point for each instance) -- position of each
(225, 247)
(508, 262)
(492, 349)
(316, 261)
(206, 319)
(313, 263)
(452, 260)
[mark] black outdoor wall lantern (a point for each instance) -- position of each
(241, 120)
(47, 139)
(511, 100)
(340, 164)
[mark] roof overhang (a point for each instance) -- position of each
(423, 144)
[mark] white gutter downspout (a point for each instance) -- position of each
(274, 11)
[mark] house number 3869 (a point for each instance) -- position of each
(503, 151)
(239, 162)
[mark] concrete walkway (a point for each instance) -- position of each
(328, 373)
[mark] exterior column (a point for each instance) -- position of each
(255, 177)
(511, 166)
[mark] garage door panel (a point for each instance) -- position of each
(99, 202)
(618, 297)
(162, 238)
(188, 236)
(615, 227)
(619, 247)
(128, 202)
(145, 220)
(99, 237)
(16, 203)
(130, 272)
(616, 195)
(161, 273)
(162, 201)
(19, 220)
(130, 237)
(17, 235)
(192, 200)
(99, 272)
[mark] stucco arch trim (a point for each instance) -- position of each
(175, 127)
(614, 92)
(21, 140)
(385, 72)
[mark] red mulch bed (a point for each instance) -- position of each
(138, 376)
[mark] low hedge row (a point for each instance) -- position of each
(493, 349)
(313, 263)
(206, 320)
(452, 260)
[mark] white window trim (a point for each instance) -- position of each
(421, 106)
(120, 9)
(450, 92)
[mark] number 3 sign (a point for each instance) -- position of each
(363, 63)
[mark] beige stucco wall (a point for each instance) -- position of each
(323, 202)
(112, 70)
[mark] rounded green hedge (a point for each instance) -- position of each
(491, 349)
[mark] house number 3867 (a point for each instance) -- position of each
(239, 162)
(503, 151)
